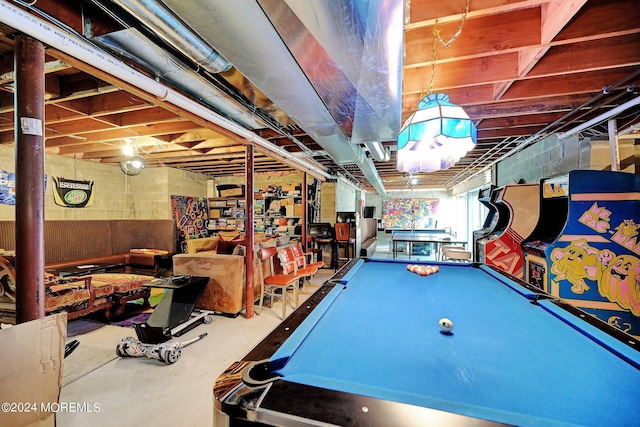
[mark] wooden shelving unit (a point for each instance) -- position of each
(226, 214)
(274, 212)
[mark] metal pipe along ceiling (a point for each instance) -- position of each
(377, 151)
(601, 118)
(163, 22)
(77, 47)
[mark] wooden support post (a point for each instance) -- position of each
(29, 158)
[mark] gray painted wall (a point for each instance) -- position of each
(547, 158)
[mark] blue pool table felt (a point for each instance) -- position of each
(508, 359)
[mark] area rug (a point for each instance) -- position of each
(85, 359)
(138, 318)
(82, 326)
(134, 311)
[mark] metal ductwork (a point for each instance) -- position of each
(139, 49)
(331, 69)
(378, 152)
(166, 25)
(75, 46)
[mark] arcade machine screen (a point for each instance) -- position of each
(554, 207)
(499, 222)
(484, 197)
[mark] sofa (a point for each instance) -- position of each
(133, 250)
(223, 262)
(368, 236)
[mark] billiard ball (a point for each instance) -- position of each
(424, 272)
(409, 267)
(446, 325)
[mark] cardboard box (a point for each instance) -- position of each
(31, 370)
(232, 192)
(290, 210)
(297, 209)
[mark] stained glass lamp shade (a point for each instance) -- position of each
(435, 137)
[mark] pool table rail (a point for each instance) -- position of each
(248, 391)
(285, 403)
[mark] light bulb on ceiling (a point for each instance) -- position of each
(127, 149)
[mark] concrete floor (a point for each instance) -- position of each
(141, 391)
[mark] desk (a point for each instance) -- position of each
(411, 237)
(366, 349)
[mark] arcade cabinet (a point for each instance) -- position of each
(594, 261)
(484, 197)
(518, 209)
(554, 208)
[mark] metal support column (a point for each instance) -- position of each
(249, 231)
(612, 125)
(303, 220)
(29, 158)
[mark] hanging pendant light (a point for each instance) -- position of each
(435, 137)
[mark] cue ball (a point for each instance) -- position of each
(446, 325)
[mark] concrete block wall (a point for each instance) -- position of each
(627, 153)
(546, 158)
(116, 195)
(338, 196)
(328, 202)
(347, 197)
(150, 194)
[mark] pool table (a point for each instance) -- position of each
(366, 350)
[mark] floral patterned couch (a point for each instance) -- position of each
(76, 295)
(71, 243)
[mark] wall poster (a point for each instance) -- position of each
(191, 216)
(71, 193)
(8, 187)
